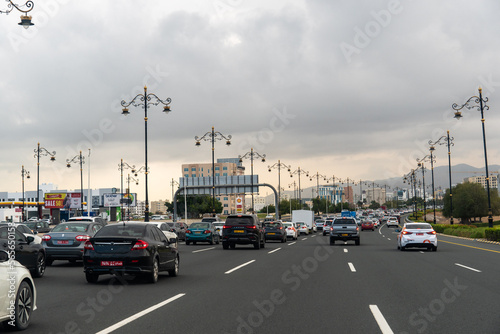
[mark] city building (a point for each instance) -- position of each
(333, 193)
(158, 207)
(376, 194)
(482, 181)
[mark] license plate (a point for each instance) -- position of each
(111, 263)
(197, 232)
(238, 231)
(420, 234)
(345, 235)
(62, 242)
(272, 233)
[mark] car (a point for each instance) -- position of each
(243, 229)
(291, 230)
(327, 226)
(131, 248)
(392, 221)
(344, 228)
(26, 231)
(417, 235)
(18, 292)
(303, 228)
(95, 219)
(367, 225)
(38, 226)
(275, 231)
(319, 224)
(202, 232)
(210, 219)
(66, 240)
(165, 228)
(179, 228)
(26, 251)
(156, 218)
(218, 228)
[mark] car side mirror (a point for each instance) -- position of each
(4, 256)
(30, 239)
(172, 240)
(35, 232)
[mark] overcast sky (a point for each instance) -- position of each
(347, 88)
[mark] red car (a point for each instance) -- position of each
(367, 225)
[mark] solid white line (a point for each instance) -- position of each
(140, 314)
(461, 265)
(352, 267)
(422, 252)
(382, 323)
(345, 250)
(277, 249)
(202, 250)
(389, 239)
(313, 236)
(303, 239)
(292, 243)
(238, 267)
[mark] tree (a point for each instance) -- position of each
(374, 205)
(198, 205)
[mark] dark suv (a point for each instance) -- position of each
(243, 230)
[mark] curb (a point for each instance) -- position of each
(473, 239)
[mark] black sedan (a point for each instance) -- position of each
(27, 252)
(130, 248)
(66, 240)
(275, 231)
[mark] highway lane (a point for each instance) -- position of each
(306, 286)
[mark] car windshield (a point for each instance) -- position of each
(239, 221)
(287, 224)
(199, 225)
(73, 227)
(418, 227)
(122, 230)
(272, 225)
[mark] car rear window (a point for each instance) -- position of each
(199, 225)
(120, 230)
(345, 221)
(73, 227)
(239, 221)
(419, 227)
(272, 224)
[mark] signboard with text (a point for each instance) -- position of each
(63, 200)
(116, 200)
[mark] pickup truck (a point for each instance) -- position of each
(345, 228)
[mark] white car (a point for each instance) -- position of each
(418, 235)
(23, 297)
(302, 228)
(218, 228)
(392, 222)
(291, 230)
(166, 230)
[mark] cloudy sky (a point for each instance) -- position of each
(347, 88)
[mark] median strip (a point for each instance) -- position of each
(382, 323)
(277, 249)
(202, 250)
(238, 267)
(140, 314)
(461, 265)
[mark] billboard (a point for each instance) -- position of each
(63, 200)
(236, 184)
(115, 200)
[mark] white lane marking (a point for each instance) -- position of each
(277, 249)
(422, 252)
(303, 239)
(383, 236)
(389, 239)
(313, 236)
(461, 265)
(352, 267)
(202, 250)
(140, 314)
(382, 323)
(292, 243)
(238, 267)
(345, 250)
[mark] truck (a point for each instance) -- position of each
(344, 228)
(304, 216)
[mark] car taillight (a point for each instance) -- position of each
(140, 244)
(226, 226)
(46, 237)
(432, 232)
(207, 232)
(406, 232)
(82, 237)
(188, 231)
(253, 227)
(88, 245)
(279, 228)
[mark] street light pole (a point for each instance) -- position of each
(41, 151)
(250, 155)
(212, 137)
(299, 171)
(472, 103)
(25, 19)
(129, 178)
(81, 160)
(123, 165)
(24, 173)
(145, 100)
(279, 165)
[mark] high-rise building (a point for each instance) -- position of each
(482, 181)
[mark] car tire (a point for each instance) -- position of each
(48, 261)
(218, 240)
(91, 278)
(232, 245)
(40, 266)
(188, 242)
(211, 242)
(402, 248)
(225, 245)
(23, 307)
(175, 271)
(434, 248)
(283, 240)
(332, 241)
(263, 243)
(256, 245)
(153, 276)
(194, 242)
(357, 241)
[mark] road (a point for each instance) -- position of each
(305, 286)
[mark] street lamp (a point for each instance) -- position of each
(145, 100)
(250, 155)
(279, 165)
(410, 178)
(123, 165)
(317, 176)
(129, 178)
(25, 19)
(24, 173)
(173, 183)
(299, 171)
(41, 151)
(421, 165)
(212, 136)
(81, 160)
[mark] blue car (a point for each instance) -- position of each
(202, 232)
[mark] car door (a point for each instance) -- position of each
(161, 243)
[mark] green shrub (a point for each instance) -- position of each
(492, 234)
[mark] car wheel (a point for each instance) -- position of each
(232, 245)
(357, 241)
(23, 307)
(91, 278)
(283, 240)
(218, 240)
(40, 265)
(256, 245)
(211, 240)
(332, 241)
(434, 248)
(194, 242)
(402, 248)
(153, 276)
(175, 271)
(48, 261)
(225, 245)
(263, 243)
(188, 242)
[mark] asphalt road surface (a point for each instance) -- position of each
(305, 286)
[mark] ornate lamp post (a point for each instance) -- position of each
(41, 151)
(129, 178)
(478, 103)
(146, 100)
(212, 136)
(121, 166)
(250, 155)
(299, 171)
(25, 19)
(410, 178)
(173, 183)
(421, 166)
(81, 159)
(317, 176)
(24, 173)
(278, 166)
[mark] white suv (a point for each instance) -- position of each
(392, 221)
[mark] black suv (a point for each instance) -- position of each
(243, 230)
